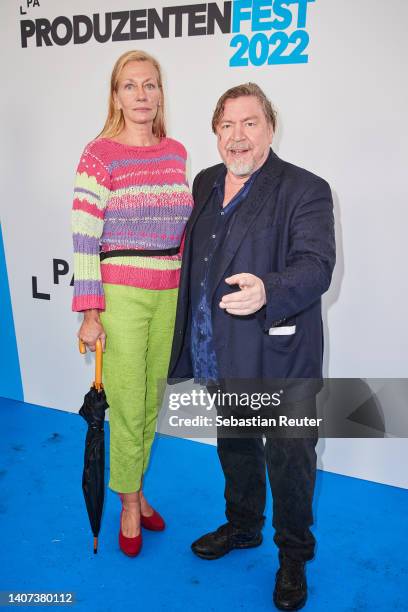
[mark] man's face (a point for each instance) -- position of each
(243, 135)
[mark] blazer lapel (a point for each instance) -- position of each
(196, 213)
(261, 191)
(199, 204)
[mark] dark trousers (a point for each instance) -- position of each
(291, 465)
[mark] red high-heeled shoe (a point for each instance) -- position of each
(154, 522)
(130, 546)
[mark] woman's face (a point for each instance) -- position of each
(138, 94)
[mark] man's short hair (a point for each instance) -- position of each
(246, 89)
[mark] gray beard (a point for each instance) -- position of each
(241, 168)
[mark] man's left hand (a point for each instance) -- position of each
(247, 301)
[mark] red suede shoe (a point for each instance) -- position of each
(130, 546)
(154, 522)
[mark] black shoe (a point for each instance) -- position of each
(218, 543)
(291, 589)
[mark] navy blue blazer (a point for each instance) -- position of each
(283, 233)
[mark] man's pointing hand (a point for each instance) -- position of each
(247, 301)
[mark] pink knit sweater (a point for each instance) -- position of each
(128, 198)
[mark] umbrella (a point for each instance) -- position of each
(93, 411)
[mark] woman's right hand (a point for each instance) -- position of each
(92, 329)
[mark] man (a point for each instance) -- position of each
(259, 253)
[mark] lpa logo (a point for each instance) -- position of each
(264, 31)
(60, 267)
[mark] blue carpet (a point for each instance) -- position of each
(46, 544)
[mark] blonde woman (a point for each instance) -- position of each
(131, 205)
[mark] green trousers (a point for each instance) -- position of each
(139, 327)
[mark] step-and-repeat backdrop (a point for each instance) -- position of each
(335, 73)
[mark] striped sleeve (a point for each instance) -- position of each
(91, 193)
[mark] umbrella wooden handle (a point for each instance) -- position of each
(98, 365)
(98, 361)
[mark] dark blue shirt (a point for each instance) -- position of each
(209, 233)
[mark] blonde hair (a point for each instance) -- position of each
(247, 89)
(115, 121)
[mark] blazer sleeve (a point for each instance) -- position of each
(310, 259)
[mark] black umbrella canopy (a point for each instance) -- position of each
(93, 408)
(93, 481)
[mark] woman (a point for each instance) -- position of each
(131, 205)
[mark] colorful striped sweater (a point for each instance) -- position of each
(128, 198)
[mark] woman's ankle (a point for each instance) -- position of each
(145, 508)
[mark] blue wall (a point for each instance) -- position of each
(10, 376)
